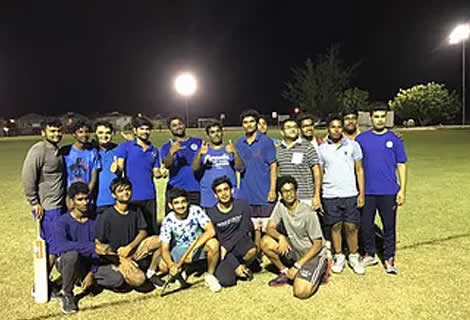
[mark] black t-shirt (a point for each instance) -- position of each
(119, 230)
(231, 226)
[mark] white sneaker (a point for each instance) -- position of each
(339, 260)
(355, 264)
(212, 282)
(369, 261)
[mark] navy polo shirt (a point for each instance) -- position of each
(257, 157)
(106, 156)
(139, 168)
(181, 171)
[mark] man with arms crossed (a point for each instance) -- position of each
(341, 160)
(298, 245)
(184, 225)
(77, 260)
(215, 160)
(232, 221)
(121, 237)
(384, 159)
(258, 180)
(177, 156)
(139, 160)
(44, 183)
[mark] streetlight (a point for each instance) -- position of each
(186, 85)
(461, 34)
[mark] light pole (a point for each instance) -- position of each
(186, 85)
(461, 34)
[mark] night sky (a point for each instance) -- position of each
(82, 56)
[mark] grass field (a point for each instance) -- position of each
(433, 255)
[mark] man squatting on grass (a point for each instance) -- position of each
(294, 238)
(232, 220)
(77, 260)
(44, 183)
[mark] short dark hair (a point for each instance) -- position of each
(220, 180)
(51, 122)
(141, 121)
(214, 124)
(250, 113)
(283, 122)
(334, 117)
(350, 111)
(105, 124)
(176, 193)
(304, 116)
(118, 182)
(281, 181)
(378, 106)
(76, 188)
(174, 117)
(78, 124)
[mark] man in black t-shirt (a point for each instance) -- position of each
(121, 237)
(232, 221)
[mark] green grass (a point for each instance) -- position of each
(433, 259)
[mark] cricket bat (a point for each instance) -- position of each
(41, 290)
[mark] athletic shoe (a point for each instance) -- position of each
(355, 264)
(369, 261)
(212, 282)
(157, 281)
(339, 260)
(55, 293)
(390, 266)
(68, 304)
(248, 275)
(279, 281)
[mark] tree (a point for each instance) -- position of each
(428, 104)
(355, 99)
(318, 87)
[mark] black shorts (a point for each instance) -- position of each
(341, 210)
(313, 271)
(149, 210)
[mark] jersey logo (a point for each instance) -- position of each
(194, 147)
(389, 144)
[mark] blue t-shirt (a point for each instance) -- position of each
(71, 235)
(105, 176)
(216, 163)
(139, 168)
(181, 171)
(80, 163)
(255, 179)
(382, 153)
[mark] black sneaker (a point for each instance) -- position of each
(279, 281)
(55, 293)
(157, 281)
(248, 275)
(68, 304)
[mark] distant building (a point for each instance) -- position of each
(29, 121)
(119, 120)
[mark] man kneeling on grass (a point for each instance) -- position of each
(121, 237)
(232, 220)
(77, 261)
(184, 225)
(294, 238)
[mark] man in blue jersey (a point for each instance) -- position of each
(177, 156)
(215, 160)
(81, 159)
(139, 160)
(107, 153)
(384, 159)
(258, 180)
(77, 260)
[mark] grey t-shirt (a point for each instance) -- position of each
(302, 226)
(44, 176)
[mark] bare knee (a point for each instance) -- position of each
(350, 227)
(267, 243)
(136, 279)
(212, 246)
(337, 227)
(304, 292)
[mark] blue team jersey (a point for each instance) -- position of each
(256, 157)
(382, 153)
(181, 171)
(105, 176)
(139, 168)
(216, 163)
(80, 163)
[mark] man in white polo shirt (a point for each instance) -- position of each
(341, 160)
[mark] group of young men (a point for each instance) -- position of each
(227, 204)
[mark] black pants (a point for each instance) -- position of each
(149, 210)
(73, 267)
(387, 209)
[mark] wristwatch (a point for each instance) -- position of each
(297, 266)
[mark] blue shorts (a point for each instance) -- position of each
(341, 210)
(48, 228)
(178, 251)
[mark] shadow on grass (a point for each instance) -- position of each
(434, 241)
